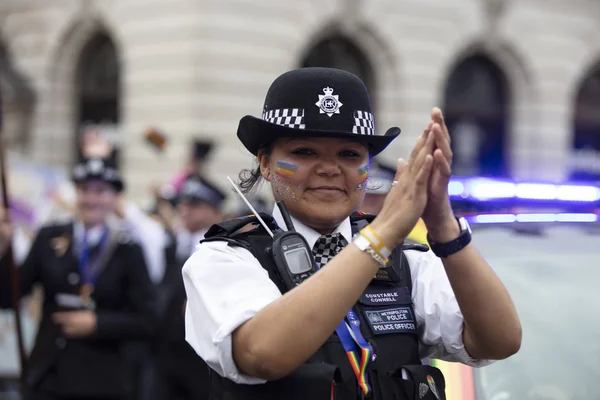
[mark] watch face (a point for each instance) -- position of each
(464, 225)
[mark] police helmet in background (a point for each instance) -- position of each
(98, 169)
(201, 149)
(197, 189)
(381, 177)
(260, 204)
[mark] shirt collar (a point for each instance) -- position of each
(310, 234)
(94, 235)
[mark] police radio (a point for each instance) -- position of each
(291, 253)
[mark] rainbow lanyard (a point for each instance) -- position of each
(350, 336)
(88, 264)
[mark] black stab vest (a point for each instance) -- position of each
(327, 375)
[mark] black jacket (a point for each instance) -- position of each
(123, 295)
(185, 374)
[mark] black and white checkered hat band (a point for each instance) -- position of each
(364, 123)
(95, 169)
(289, 117)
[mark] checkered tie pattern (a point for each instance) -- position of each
(326, 247)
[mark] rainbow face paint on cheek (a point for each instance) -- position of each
(363, 172)
(285, 168)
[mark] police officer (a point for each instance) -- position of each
(358, 326)
(185, 375)
(97, 295)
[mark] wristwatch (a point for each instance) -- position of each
(443, 250)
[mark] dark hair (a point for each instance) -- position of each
(251, 177)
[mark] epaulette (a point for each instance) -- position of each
(360, 216)
(227, 228)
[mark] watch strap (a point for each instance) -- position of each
(444, 250)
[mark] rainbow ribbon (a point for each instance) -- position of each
(350, 336)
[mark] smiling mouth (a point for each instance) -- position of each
(327, 189)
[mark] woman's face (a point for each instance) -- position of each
(95, 201)
(321, 180)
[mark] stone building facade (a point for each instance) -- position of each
(512, 76)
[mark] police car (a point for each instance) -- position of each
(543, 241)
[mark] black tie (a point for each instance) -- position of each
(327, 246)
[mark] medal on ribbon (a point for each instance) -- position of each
(85, 292)
(60, 244)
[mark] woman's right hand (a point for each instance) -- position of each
(6, 231)
(407, 198)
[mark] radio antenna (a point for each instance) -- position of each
(237, 189)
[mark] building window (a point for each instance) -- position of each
(98, 86)
(476, 112)
(585, 158)
(17, 103)
(340, 53)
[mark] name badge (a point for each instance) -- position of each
(391, 320)
(382, 297)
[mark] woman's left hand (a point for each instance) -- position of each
(438, 215)
(76, 324)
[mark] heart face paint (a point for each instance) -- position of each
(285, 168)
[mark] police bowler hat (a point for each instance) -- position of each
(315, 102)
(198, 189)
(98, 169)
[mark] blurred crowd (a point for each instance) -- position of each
(159, 362)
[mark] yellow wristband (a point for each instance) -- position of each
(375, 241)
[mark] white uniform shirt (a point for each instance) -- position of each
(151, 237)
(226, 286)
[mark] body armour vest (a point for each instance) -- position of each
(387, 322)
